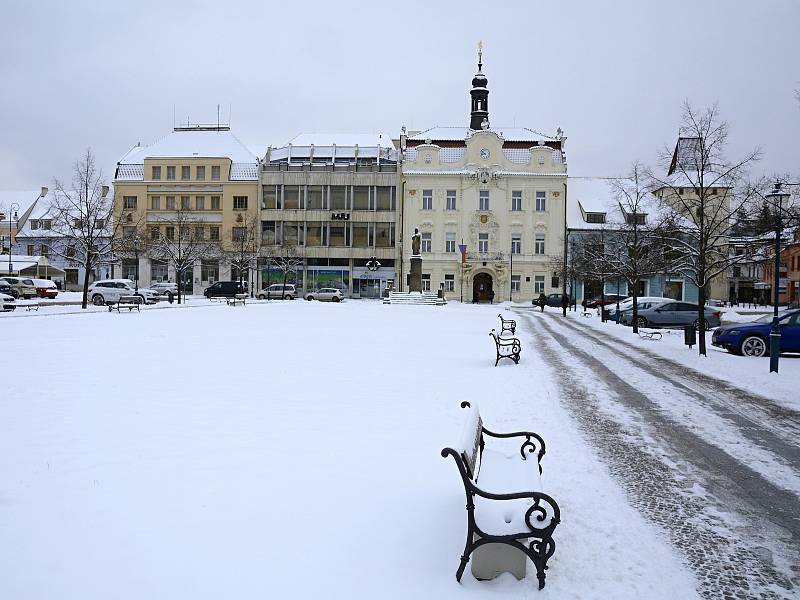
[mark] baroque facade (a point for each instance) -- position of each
(498, 193)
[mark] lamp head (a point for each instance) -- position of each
(44, 191)
(105, 191)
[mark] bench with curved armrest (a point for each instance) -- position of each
(507, 347)
(509, 325)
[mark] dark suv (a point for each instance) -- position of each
(224, 289)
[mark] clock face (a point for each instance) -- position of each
(485, 154)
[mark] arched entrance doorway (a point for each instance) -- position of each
(482, 288)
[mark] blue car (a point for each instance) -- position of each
(752, 339)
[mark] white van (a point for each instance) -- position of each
(278, 291)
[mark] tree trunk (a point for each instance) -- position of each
(602, 300)
(701, 320)
(85, 286)
(635, 310)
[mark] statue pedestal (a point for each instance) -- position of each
(415, 280)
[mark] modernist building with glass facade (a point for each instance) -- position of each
(328, 206)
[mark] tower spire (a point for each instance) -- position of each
(479, 115)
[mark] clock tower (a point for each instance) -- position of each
(480, 96)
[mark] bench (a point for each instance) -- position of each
(507, 347)
(237, 299)
(586, 313)
(509, 325)
(32, 306)
(509, 518)
(129, 302)
(649, 335)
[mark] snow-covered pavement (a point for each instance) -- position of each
(716, 466)
(289, 450)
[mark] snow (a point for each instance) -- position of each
(746, 372)
(286, 450)
(509, 134)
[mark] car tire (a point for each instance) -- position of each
(98, 300)
(754, 345)
(309, 298)
(641, 321)
(288, 297)
(335, 299)
(15, 294)
(262, 297)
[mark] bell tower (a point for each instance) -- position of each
(480, 96)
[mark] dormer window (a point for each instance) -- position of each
(595, 217)
(635, 218)
(34, 224)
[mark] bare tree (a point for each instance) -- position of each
(180, 238)
(634, 250)
(242, 246)
(83, 216)
(701, 191)
(287, 260)
(597, 263)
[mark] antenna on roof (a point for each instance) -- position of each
(173, 115)
(217, 117)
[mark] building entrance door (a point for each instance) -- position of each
(482, 288)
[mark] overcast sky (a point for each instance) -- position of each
(612, 74)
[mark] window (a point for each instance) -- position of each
(384, 197)
(516, 201)
(384, 235)
(31, 250)
(156, 172)
(360, 197)
(35, 224)
(170, 202)
(595, 217)
(200, 173)
(483, 200)
(338, 235)
(239, 233)
(450, 241)
(449, 282)
(516, 243)
(200, 233)
(70, 251)
(270, 233)
(99, 223)
(215, 203)
(169, 232)
(427, 199)
(426, 242)
(47, 224)
(554, 281)
(200, 202)
(240, 203)
(315, 197)
(215, 172)
(538, 245)
(315, 233)
(214, 233)
(129, 202)
(158, 270)
(483, 243)
(451, 200)
(538, 284)
(185, 172)
(185, 203)
(713, 191)
(171, 173)
(155, 203)
(635, 218)
(292, 196)
(338, 199)
(154, 233)
(129, 232)
(426, 282)
(541, 201)
(516, 283)
(209, 270)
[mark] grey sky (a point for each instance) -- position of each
(612, 74)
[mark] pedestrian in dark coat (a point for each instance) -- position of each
(564, 304)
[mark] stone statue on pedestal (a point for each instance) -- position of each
(415, 279)
(415, 241)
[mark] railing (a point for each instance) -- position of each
(486, 256)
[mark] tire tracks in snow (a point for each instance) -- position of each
(740, 535)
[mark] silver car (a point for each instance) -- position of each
(325, 294)
(672, 314)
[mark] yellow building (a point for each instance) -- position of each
(199, 182)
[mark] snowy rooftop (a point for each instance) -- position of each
(24, 198)
(598, 195)
(336, 145)
(192, 143)
(459, 134)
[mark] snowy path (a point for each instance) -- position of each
(715, 466)
(286, 450)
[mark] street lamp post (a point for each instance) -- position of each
(511, 274)
(137, 246)
(777, 198)
(12, 210)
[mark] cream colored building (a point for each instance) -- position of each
(499, 191)
(203, 173)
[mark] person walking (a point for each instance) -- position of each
(564, 304)
(542, 301)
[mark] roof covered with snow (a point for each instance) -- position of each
(192, 143)
(459, 134)
(599, 195)
(23, 198)
(338, 146)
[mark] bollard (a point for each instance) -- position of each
(690, 335)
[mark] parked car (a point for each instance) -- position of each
(167, 289)
(278, 291)
(5, 288)
(21, 287)
(108, 291)
(752, 339)
(7, 302)
(325, 294)
(672, 314)
(627, 304)
(716, 303)
(552, 300)
(609, 299)
(45, 288)
(224, 289)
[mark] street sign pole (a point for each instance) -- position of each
(463, 248)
